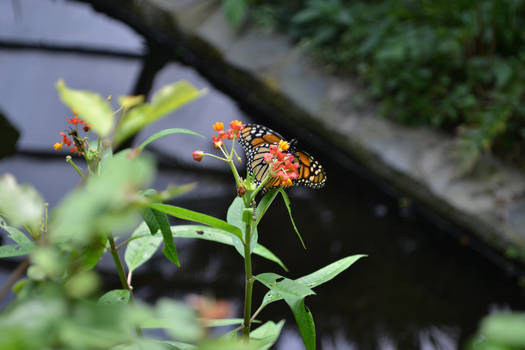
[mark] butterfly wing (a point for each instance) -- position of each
(258, 168)
(256, 141)
(255, 135)
(311, 172)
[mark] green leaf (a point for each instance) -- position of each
(130, 101)
(227, 344)
(166, 132)
(318, 277)
(169, 193)
(330, 271)
(169, 249)
(285, 287)
(208, 234)
(234, 11)
(234, 213)
(15, 234)
(174, 191)
(505, 329)
(293, 294)
(287, 203)
(179, 320)
(234, 216)
(21, 205)
(165, 101)
(221, 236)
(264, 204)
(267, 334)
(265, 253)
(140, 250)
(222, 322)
(115, 296)
(157, 220)
(90, 254)
(191, 215)
(90, 106)
(107, 202)
(150, 220)
(10, 250)
(82, 284)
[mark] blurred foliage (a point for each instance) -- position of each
(438, 63)
(500, 331)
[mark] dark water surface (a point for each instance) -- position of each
(418, 289)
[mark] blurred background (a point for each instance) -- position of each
(422, 286)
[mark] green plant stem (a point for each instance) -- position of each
(118, 263)
(121, 274)
(70, 161)
(249, 281)
(257, 313)
(13, 277)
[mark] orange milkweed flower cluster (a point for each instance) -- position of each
(283, 165)
(72, 139)
(230, 134)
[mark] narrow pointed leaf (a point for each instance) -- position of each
(238, 215)
(221, 322)
(191, 215)
(318, 277)
(330, 271)
(264, 204)
(293, 294)
(287, 203)
(285, 287)
(196, 232)
(16, 235)
(150, 220)
(140, 250)
(166, 132)
(169, 249)
(116, 296)
(10, 250)
(221, 236)
(267, 334)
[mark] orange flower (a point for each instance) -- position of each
(218, 126)
(57, 146)
(236, 125)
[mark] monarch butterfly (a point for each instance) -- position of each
(256, 141)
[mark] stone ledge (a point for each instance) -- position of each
(280, 78)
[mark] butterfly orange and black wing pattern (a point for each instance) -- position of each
(256, 141)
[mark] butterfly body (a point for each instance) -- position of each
(256, 141)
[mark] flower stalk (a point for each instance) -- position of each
(118, 264)
(248, 281)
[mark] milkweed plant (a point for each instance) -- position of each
(58, 301)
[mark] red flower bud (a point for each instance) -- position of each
(198, 155)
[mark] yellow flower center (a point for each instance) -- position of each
(283, 145)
